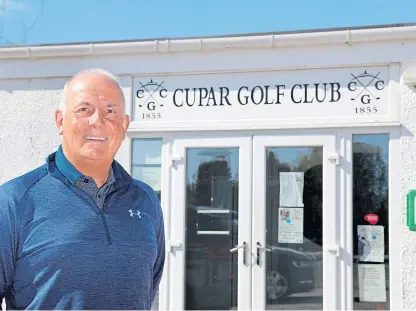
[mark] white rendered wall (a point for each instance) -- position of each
(27, 128)
(408, 181)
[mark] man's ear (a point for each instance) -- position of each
(126, 124)
(59, 119)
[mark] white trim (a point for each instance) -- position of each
(328, 38)
(137, 127)
(347, 209)
(342, 170)
(291, 58)
(166, 189)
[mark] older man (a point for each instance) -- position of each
(78, 232)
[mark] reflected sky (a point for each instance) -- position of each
(197, 156)
(147, 151)
(290, 155)
(374, 140)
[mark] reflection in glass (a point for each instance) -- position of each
(146, 162)
(370, 196)
(147, 151)
(294, 196)
(146, 167)
(211, 228)
(150, 175)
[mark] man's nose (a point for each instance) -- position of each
(96, 119)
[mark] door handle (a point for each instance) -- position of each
(236, 248)
(259, 247)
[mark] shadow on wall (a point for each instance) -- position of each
(27, 131)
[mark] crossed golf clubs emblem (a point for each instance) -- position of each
(151, 93)
(365, 87)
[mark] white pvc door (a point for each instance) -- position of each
(211, 220)
(294, 223)
(254, 223)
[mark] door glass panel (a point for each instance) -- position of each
(211, 228)
(370, 221)
(294, 228)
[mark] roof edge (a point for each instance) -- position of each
(337, 36)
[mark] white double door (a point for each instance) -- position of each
(254, 223)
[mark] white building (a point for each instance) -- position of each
(218, 125)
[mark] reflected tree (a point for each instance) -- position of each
(210, 176)
(370, 186)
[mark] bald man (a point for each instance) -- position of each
(79, 232)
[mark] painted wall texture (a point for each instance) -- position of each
(27, 128)
(408, 181)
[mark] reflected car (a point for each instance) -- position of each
(212, 272)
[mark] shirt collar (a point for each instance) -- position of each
(70, 172)
(65, 167)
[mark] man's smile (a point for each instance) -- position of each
(95, 138)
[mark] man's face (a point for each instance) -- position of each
(94, 123)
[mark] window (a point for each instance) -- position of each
(146, 165)
(370, 222)
(147, 161)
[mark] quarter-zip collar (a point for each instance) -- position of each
(56, 161)
(66, 167)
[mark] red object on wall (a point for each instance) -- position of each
(371, 218)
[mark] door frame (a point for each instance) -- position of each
(344, 197)
(345, 180)
(177, 245)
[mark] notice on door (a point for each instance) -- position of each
(372, 282)
(370, 243)
(291, 189)
(290, 225)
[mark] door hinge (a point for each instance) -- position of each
(335, 250)
(174, 245)
(175, 159)
(334, 158)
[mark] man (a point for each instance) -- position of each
(79, 232)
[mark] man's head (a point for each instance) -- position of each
(91, 117)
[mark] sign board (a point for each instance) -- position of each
(411, 221)
(353, 92)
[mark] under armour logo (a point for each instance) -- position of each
(136, 213)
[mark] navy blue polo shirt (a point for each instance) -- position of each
(85, 183)
(59, 249)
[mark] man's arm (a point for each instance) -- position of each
(160, 260)
(7, 243)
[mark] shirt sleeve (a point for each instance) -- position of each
(160, 259)
(7, 243)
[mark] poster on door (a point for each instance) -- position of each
(291, 189)
(370, 243)
(290, 225)
(372, 282)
